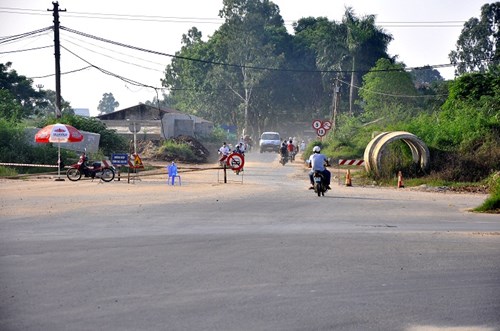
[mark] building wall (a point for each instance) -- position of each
(172, 123)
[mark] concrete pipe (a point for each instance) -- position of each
(375, 148)
(369, 151)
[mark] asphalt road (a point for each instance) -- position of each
(262, 254)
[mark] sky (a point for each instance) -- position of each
(424, 32)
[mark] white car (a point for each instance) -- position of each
(270, 141)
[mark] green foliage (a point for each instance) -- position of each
(254, 37)
(175, 151)
(388, 92)
(14, 148)
(10, 109)
(218, 135)
(477, 45)
(107, 104)
(492, 203)
(6, 172)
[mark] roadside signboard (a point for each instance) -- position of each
(120, 159)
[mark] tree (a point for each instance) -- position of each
(425, 76)
(45, 105)
(10, 109)
(108, 104)
(20, 88)
(247, 39)
(320, 44)
(361, 33)
(478, 43)
(221, 77)
(388, 91)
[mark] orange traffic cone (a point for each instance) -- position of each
(400, 180)
(348, 178)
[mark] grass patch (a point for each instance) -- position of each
(492, 203)
(7, 172)
(175, 151)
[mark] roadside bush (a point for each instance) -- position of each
(492, 203)
(14, 148)
(172, 150)
(5, 171)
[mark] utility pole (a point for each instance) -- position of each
(336, 104)
(57, 54)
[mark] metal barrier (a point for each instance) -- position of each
(28, 165)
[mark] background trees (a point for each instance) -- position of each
(252, 73)
(478, 44)
(107, 104)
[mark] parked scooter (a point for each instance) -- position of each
(97, 170)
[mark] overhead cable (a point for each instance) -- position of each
(239, 66)
(7, 39)
(125, 79)
(26, 49)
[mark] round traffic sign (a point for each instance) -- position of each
(316, 124)
(327, 125)
(235, 161)
(321, 132)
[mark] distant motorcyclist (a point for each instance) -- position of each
(284, 150)
(291, 149)
(223, 153)
(317, 162)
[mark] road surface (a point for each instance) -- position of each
(260, 252)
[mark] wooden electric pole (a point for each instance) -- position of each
(57, 54)
(336, 104)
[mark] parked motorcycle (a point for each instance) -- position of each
(97, 170)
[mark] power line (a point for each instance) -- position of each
(232, 64)
(113, 51)
(107, 72)
(26, 49)
(217, 20)
(62, 73)
(7, 39)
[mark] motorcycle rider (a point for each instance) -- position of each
(317, 162)
(291, 149)
(223, 152)
(284, 150)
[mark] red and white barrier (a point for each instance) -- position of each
(345, 162)
(351, 162)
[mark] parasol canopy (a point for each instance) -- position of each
(58, 133)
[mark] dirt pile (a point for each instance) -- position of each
(152, 150)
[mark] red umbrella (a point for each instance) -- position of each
(58, 133)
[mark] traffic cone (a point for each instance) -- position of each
(400, 180)
(348, 178)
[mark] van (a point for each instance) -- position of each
(270, 141)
